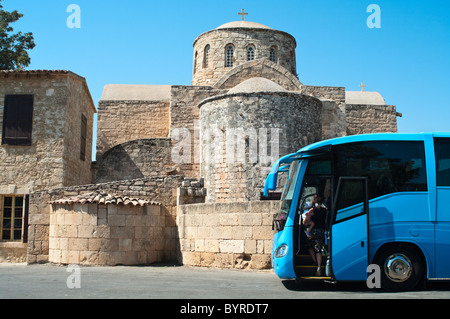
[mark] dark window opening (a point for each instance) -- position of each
(442, 150)
(83, 137)
(17, 120)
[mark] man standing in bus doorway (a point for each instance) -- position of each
(316, 239)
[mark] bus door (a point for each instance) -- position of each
(349, 231)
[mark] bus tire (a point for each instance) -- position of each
(402, 267)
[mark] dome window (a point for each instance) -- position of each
(195, 61)
(206, 56)
(229, 57)
(250, 53)
(273, 55)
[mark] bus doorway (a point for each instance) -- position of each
(312, 226)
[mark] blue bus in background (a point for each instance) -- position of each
(386, 200)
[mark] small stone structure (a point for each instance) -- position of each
(102, 229)
(159, 196)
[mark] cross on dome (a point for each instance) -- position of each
(243, 14)
(362, 86)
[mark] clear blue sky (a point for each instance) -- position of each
(407, 60)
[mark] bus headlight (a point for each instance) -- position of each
(281, 251)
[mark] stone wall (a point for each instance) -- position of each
(333, 112)
(98, 234)
(185, 126)
(244, 134)
(334, 121)
(240, 38)
(259, 68)
(335, 93)
(122, 121)
(13, 252)
(76, 170)
(362, 119)
(136, 159)
(227, 235)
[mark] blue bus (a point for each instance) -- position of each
(375, 199)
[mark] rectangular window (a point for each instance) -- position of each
(442, 150)
(351, 198)
(390, 166)
(11, 221)
(83, 137)
(17, 120)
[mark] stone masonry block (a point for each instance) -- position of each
(231, 246)
(250, 246)
(262, 232)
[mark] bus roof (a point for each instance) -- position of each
(372, 137)
(324, 147)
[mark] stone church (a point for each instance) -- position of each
(179, 170)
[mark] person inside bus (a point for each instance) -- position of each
(306, 216)
(316, 239)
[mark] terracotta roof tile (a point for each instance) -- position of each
(103, 198)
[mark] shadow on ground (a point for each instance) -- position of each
(359, 287)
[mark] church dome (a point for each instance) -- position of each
(243, 24)
(257, 84)
(218, 51)
(371, 98)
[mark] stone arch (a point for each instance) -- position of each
(259, 68)
(135, 159)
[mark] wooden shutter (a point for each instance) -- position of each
(83, 137)
(25, 219)
(17, 120)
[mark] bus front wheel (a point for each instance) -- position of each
(401, 267)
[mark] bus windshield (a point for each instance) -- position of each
(288, 195)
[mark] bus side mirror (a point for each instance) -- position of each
(271, 183)
(271, 180)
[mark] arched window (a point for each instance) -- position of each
(273, 55)
(206, 56)
(293, 62)
(195, 61)
(250, 53)
(229, 56)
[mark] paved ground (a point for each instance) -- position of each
(171, 282)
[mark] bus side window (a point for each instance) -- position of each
(351, 197)
(442, 149)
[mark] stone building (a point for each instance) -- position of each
(199, 153)
(46, 142)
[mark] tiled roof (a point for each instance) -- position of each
(104, 198)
